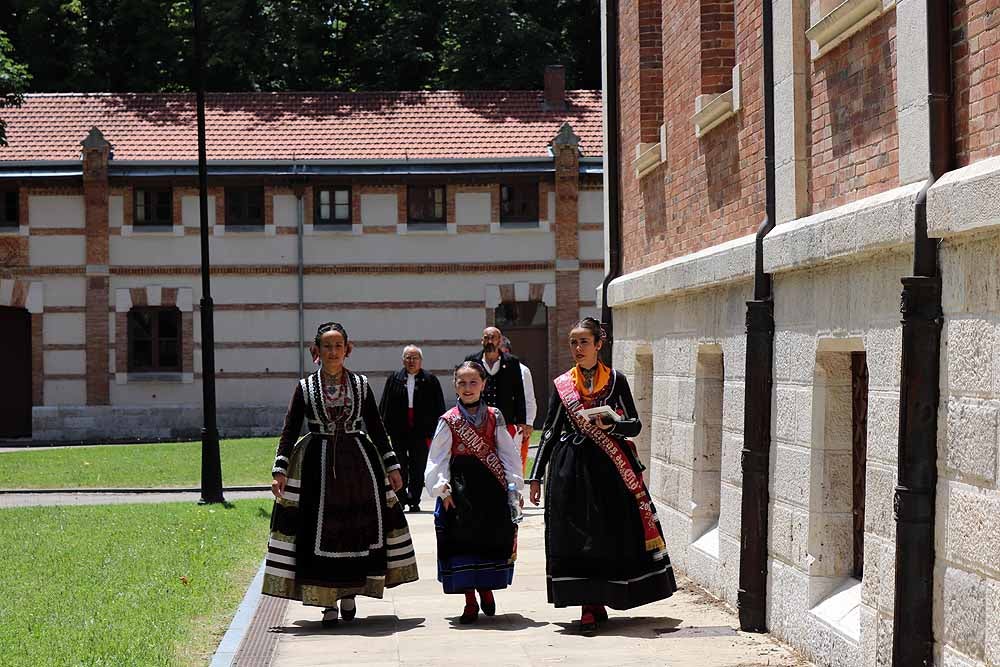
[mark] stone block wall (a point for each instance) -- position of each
(673, 331)
(169, 423)
(967, 570)
(822, 315)
(832, 300)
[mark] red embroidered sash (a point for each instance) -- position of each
(475, 445)
(570, 397)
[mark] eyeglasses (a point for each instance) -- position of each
(411, 358)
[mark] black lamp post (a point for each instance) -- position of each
(211, 464)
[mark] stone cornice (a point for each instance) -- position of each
(728, 262)
(965, 200)
(879, 222)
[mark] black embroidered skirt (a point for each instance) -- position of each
(476, 541)
(339, 531)
(595, 548)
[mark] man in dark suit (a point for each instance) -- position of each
(410, 407)
(504, 385)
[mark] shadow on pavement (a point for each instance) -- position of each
(368, 626)
(636, 627)
(502, 622)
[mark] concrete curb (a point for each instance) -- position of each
(28, 492)
(226, 652)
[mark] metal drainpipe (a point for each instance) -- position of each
(612, 166)
(752, 593)
(919, 391)
(300, 231)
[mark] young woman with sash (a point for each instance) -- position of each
(337, 528)
(603, 542)
(471, 462)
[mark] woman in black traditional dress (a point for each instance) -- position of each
(473, 468)
(603, 542)
(337, 529)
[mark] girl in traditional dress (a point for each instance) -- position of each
(337, 528)
(471, 462)
(603, 542)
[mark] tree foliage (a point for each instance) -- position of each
(146, 45)
(14, 80)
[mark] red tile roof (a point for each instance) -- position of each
(438, 125)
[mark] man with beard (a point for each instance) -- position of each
(410, 407)
(504, 386)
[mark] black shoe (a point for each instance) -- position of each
(414, 508)
(348, 609)
(330, 617)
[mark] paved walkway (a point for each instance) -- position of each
(69, 498)
(416, 624)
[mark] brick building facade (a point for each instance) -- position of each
(851, 90)
(422, 217)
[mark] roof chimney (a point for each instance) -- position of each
(555, 88)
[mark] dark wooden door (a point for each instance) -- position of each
(15, 381)
(531, 346)
(859, 387)
(526, 325)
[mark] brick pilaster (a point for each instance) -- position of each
(96, 154)
(565, 147)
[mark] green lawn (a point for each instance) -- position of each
(124, 584)
(244, 462)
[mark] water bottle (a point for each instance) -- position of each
(514, 500)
